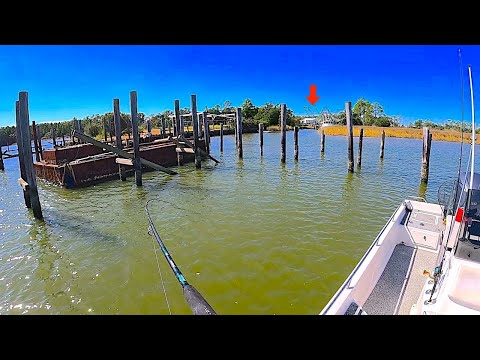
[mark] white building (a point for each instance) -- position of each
(309, 121)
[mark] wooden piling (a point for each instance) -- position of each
(198, 160)
(110, 130)
(182, 127)
(201, 134)
(236, 132)
(2, 165)
(382, 144)
(35, 141)
(260, 132)
(206, 132)
(295, 141)
(322, 140)
(164, 135)
(39, 139)
(169, 129)
(105, 130)
(54, 140)
(348, 112)
(283, 125)
(136, 140)
(27, 155)
(21, 157)
(118, 135)
(179, 127)
(63, 140)
(360, 144)
(178, 121)
(427, 141)
(221, 137)
(239, 132)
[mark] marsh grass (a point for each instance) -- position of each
(401, 132)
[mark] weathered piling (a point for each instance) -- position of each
(283, 125)
(382, 144)
(39, 139)
(21, 157)
(260, 131)
(198, 160)
(118, 135)
(239, 132)
(322, 141)
(295, 141)
(206, 132)
(221, 137)
(360, 144)
(27, 155)
(169, 129)
(182, 125)
(63, 140)
(348, 111)
(178, 122)
(164, 135)
(149, 130)
(54, 140)
(105, 130)
(200, 128)
(136, 140)
(35, 141)
(236, 132)
(427, 141)
(179, 127)
(2, 165)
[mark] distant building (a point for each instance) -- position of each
(309, 121)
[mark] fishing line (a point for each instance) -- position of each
(160, 272)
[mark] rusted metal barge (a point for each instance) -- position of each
(86, 164)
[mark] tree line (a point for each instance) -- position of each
(95, 125)
(363, 113)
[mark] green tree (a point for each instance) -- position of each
(248, 109)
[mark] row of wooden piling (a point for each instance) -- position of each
(427, 142)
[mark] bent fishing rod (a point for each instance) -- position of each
(195, 300)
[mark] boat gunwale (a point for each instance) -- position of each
(347, 282)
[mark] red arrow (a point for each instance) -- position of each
(313, 98)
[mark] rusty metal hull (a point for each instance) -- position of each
(64, 167)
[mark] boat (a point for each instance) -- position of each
(327, 119)
(425, 260)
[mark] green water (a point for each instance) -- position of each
(253, 236)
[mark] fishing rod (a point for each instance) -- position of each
(195, 300)
(438, 269)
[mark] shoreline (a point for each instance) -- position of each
(401, 132)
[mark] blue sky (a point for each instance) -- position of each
(78, 80)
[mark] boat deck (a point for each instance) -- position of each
(401, 282)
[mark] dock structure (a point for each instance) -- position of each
(91, 161)
(29, 182)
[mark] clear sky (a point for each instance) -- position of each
(77, 80)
